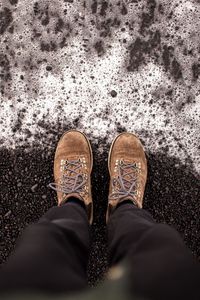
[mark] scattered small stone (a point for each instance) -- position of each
(113, 93)
(8, 214)
(33, 188)
(48, 68)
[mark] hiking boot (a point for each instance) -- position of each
(73, 163)
(128, 171)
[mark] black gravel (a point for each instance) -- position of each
(172, 196)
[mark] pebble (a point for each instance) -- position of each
(8, 214)
(33, 188)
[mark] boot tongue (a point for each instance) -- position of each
(72, 158)
(75, 195)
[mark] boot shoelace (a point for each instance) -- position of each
(126, 183)
(72, 181)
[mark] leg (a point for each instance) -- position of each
(125, 227)
(161, 266)
(52, 254)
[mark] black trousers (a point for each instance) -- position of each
(52, 255)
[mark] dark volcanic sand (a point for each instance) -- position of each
(172, 196)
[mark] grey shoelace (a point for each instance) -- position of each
(71, 182)
(126, 183)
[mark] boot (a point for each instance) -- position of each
(73, 163)
(128, 171)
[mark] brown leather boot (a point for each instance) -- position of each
(128, 171)
(73, 163)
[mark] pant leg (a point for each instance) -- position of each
(51, 255)
(161, 267)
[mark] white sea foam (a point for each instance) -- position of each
(80, 85)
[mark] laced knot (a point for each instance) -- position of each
(126, 182)
(72, 180)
